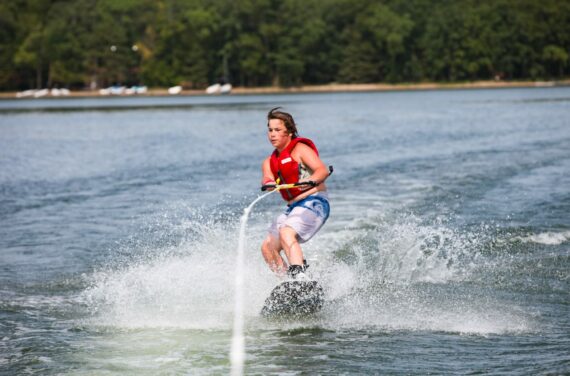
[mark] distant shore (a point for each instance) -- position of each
(328, 88)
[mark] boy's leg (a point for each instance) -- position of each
(291, 246)
(270, 249)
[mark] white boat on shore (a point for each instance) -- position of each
(25, 93)
(41, 93)
(175, 90)
(226, 89)
(213, 89)
(136, 90)
(219, 89)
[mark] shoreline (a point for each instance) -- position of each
(327, 88)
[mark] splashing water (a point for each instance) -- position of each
(381, 264)
(237, 354)
(548, 238)
(383, 275)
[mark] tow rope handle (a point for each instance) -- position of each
(293, 185)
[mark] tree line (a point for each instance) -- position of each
(97, 43)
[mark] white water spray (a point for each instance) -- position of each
(237, 355)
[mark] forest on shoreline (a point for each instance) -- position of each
(251, 43)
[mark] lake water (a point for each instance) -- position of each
(447, 250)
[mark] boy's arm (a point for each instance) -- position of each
(266, 174)
(310, 159)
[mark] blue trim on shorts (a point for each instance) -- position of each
(306, 203)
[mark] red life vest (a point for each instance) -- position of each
(286, 169)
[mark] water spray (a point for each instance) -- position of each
(237, 354)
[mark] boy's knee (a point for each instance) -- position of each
(270, 245)
(288, 237)
(265, 248)
(288, 233)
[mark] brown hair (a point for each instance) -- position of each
(286, 118)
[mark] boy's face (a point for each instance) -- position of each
(277, 134)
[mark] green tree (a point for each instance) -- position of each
(9, 35)
(30, 55)
(96, 43)
(375, 44)
(555, 59)
(113, 51)
(64, 52)
(457, 43)
(185, 48)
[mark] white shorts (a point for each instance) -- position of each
(306, 217)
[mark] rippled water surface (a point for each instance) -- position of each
(447, 250)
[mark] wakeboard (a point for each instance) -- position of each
(294, 298)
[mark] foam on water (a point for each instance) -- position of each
(192, 286)
(424, 308)
(548, 238)
(380, 275)
(402, 274)
(383, 273)
(404, 251)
